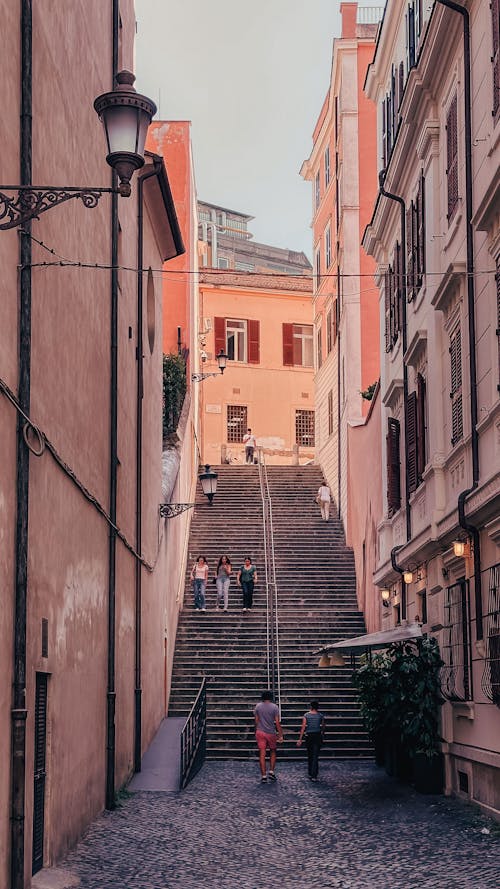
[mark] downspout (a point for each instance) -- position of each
(404, 333)
(339, 412)
(113, 459)
(19, 712)
(462, 520)
(138, 485)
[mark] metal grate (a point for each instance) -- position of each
(39, 770)
(490, 682)
(304, 428)
(236, 422)
(455, 650)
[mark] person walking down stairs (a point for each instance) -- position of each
(223, 581)
(247, 577)
(199, 575)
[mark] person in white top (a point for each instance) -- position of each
(250, 443)
(324, 497)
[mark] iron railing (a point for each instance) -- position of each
(272, 622)
(490, 681)
(194, 738)
(456, 674)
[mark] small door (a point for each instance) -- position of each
(39, 769)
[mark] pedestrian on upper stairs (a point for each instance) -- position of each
(223, 580)
(268, 733)
(199, 574)
(247, 578)
(323, 498)
(250, 443)
(313, 725)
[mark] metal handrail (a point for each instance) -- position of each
(272, 624)
(194, 738)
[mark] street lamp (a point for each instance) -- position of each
(125, 115)
(222, 359)
(208, 481)
(386, 595)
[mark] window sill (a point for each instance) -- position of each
(454, 226)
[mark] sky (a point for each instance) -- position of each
(251, 76)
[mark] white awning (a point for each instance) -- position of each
(382, 639)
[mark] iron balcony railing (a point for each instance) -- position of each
(194, 738)
(456, 674)
(272, 621)
(490, 681)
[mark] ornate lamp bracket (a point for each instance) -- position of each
(169, 510)
(30, 201)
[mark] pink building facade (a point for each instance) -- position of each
(435, 236)
(79, 521)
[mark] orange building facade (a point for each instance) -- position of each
(264, 324)
(342, 170)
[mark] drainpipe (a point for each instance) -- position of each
(19, 712)
(472, 530)
(400, 201)
(138, 484)
(113, 460)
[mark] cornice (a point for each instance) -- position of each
(448, 285)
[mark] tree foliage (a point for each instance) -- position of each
(174, 391)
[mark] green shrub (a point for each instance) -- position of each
(174, 391)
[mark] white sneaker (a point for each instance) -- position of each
(203, 609)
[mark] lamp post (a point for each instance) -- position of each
(222, 359)
(208, 480)
(125, 115)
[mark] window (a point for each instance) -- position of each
(420, 226)
(452, 158)
(455, 648)
(330, 412)
(410, 37)
(335, 319)
(457, 424)
(422, 604)
(298, 345)
(393, 295)
(223, 262)
(491, 677)
(319, 346)
(495, 20)
(244, 266)
(304, 428)
(415, 432)
(317, 191)
(236, 422)
(327, 166)
(238, 338)
(317, 268)
(328, 246)
(393, 466)
(329, 332)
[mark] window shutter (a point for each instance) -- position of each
(384, 141)
(411, 440)
(393, 102)
(288, 345)
(387, 290)
(410, 266)
(393, 466)
(411, 37)
(388, 127)
(335, 319)
(495, 20)
(418, 20)
(253, 328)
(329, 331)
(398, 284)
(421, 444)
(219, 334)
(457, 427)
(452, 157)
(420, 231)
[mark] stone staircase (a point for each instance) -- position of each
(317, 604)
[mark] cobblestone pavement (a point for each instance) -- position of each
(355, 828)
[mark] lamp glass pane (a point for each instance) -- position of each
(121, 123)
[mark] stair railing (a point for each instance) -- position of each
(272, 623)
(194, 737)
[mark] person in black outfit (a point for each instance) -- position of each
(313, 725)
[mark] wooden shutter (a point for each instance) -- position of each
(335, 319)
(495, 20)
(401, 83)
(452, 157)
(387, 298)
(384, 140)
(393, 466)
(410, 268)
(288, 345)
(398, 285)
(410, 38)
(393, 103)
(421, 443)
(411, 440)
(253, 328)
(420, 232)
(219, 335)
(457, 428)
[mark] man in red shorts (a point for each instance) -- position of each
(268, 732)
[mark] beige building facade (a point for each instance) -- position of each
(89, 585)
(435, 236)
